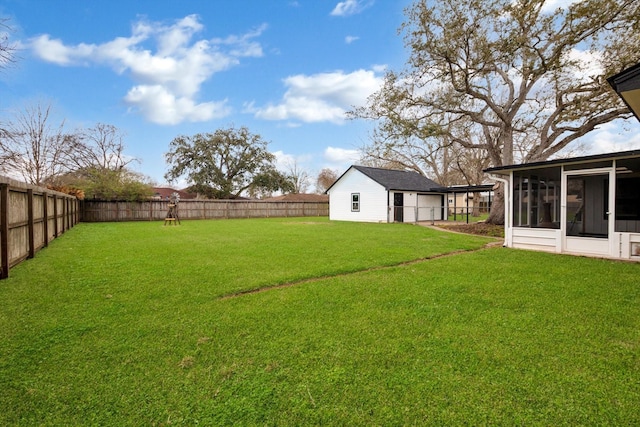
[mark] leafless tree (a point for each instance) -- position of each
(325, 179)
(299, 178)
(32, 147)
(101, 146)
(7, 49)
(509, 71)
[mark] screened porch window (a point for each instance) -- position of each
(355, 202)
(536, 198)
(628, 195)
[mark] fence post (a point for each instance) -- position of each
(64, 214)
(30, 224)
(45, 215)
(4, 230)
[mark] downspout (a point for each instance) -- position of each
(507, 206)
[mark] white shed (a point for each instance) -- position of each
(385, 195)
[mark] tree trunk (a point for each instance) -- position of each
(476, 204)
(496, 214)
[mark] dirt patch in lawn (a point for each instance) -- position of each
(479, 228)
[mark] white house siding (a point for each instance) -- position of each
(629, 245)
(373, 199)
(409, 205)
(417, 207)
(541, 239)
(430, 207)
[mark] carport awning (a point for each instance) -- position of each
(465, 188)
(627, 85)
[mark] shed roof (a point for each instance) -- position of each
(573, 160)
(394, 179)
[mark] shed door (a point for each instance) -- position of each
(398, 207)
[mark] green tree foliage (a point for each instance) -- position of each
(224, 164)
(513, 79)
(104, 184)
(270, 181)
(113, 184)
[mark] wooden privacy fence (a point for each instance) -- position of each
(155, 210)
(30, 217)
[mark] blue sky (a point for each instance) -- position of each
(156, 69)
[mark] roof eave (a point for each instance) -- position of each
(627, 86)
(504, 170)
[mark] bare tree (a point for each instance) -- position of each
(325, 179)
(299, 178)
(7, 49)
(32, 147)
(508, 77)
(101, 146)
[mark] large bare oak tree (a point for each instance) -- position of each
(510, 78)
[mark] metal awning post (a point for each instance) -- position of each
(467, 194)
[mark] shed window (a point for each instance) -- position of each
(355, 202)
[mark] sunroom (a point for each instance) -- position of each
(585, 205)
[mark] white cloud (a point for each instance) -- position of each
(341, 156)
(323, 97)
(550, 6)
(553, 5)
(380, 68)
(612, 137)
(284, 161)
(169, 78)
(350, 39)
(350, 7)
(588, 64)
(163, 107)
(55, 51)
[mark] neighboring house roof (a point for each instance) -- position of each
(166, 192)
(584, 159)
(300, 197)
(394, 179)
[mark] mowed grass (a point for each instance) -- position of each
(137, 324)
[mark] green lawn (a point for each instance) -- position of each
(141, 324)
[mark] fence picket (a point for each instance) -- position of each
(156, 210)
(24, 220)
